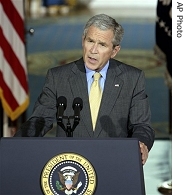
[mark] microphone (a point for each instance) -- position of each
(77, 107)
(62, 104)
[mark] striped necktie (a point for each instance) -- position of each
(95, 98)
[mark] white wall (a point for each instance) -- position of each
(125, 8)
(123, 3)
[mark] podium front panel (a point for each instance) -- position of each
(117, 163)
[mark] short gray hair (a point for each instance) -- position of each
(105, 22)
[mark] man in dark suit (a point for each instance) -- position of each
(124, 110)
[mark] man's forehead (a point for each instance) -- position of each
(102, 35)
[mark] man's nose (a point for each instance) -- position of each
(94, 48)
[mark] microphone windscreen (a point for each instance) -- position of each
(62, 101)
(77, 102)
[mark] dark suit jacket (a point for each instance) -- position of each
(124, 109)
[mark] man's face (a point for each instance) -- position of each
(98, 48)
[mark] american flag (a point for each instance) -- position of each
(14, 93)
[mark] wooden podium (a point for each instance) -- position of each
(27, 162)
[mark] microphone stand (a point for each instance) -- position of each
(68, 129)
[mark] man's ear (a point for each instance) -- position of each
(83, 40)
(115, 51)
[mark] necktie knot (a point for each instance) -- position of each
(97, 76)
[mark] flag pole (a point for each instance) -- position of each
(1, 120)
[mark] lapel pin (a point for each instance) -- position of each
(116, 85)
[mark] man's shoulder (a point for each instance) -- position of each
(124, 66)
(65, 66)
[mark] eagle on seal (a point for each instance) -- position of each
(69, 181)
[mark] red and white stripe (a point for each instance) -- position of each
(13, 69)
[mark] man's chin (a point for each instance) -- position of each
(91, 66)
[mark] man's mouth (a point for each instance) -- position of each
(93, 60)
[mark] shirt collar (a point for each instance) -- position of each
(103, 71)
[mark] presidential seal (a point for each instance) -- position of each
(68, 173)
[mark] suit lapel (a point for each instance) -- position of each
(78, 84)
(113, 86)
